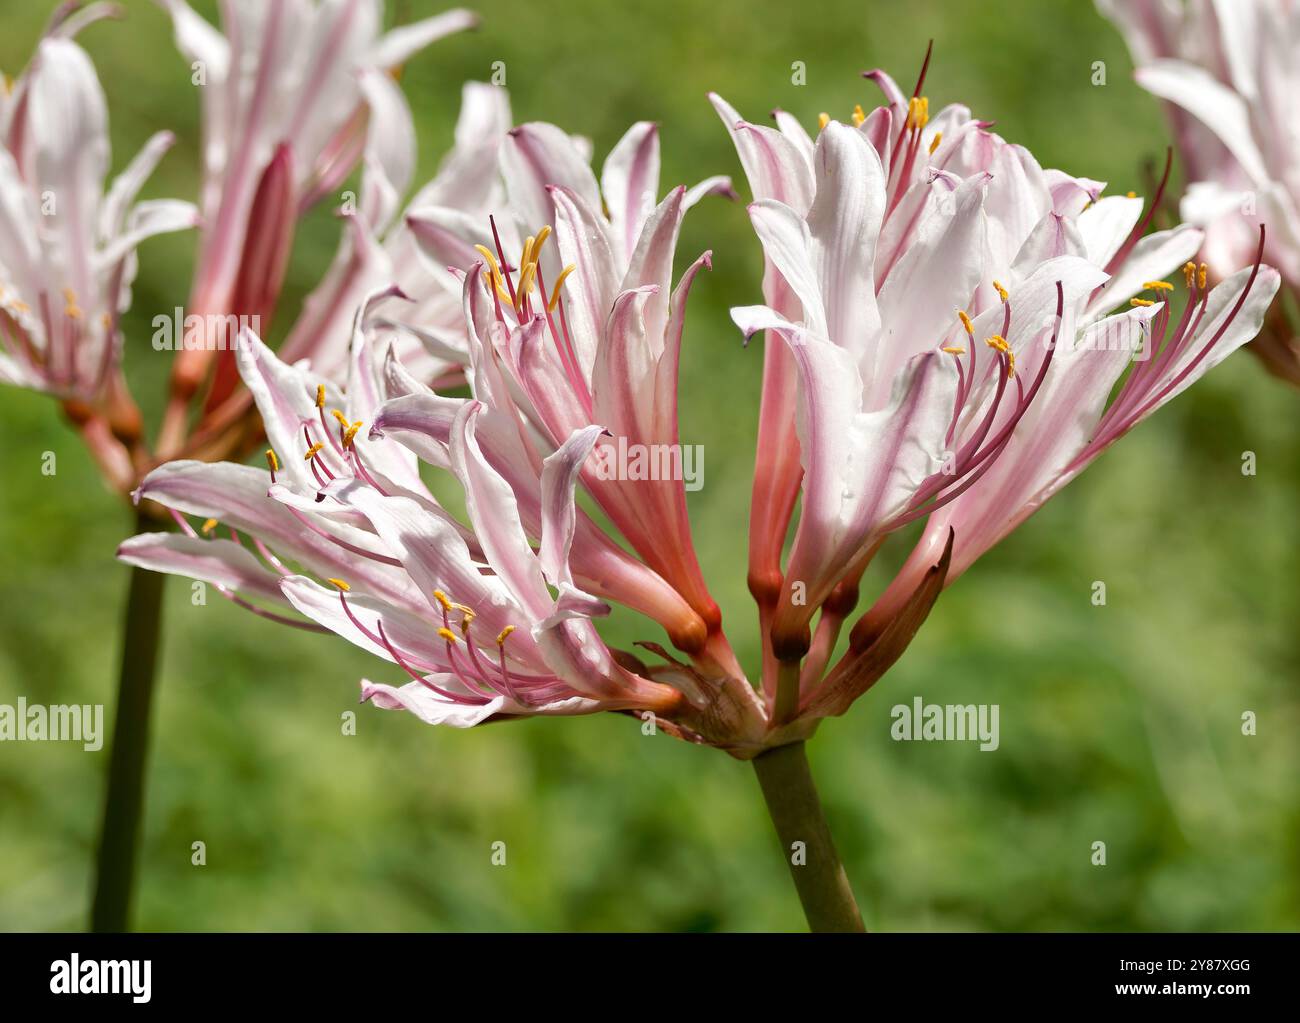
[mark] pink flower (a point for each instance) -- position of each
(67, 249)
(571, 345)
(936, 310)
(290, 93)
(1228, 73)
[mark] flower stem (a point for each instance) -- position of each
(796, 812)
(124, 799)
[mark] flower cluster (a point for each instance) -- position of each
(953, 331)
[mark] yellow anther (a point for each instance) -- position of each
(858, 115)
(320, 395)
(272, 461)
(999, 342)
(559, 281)
(1189, 273)
(349, 435)
(526, 279)
(1201, 274)
(1140, 302)
(505, 633)
(208, 526)
(954, 350)
(466, 621)
(340, 585)
(343, 420)
(442, 599)
(527, 256)
(1002, 292)
(934, 142)
(543, 233)
(1011, 363)
(823, 119)
(1158, 286)
(313, 451)
(965, 322)
(1131, 195)
(490, 259)
(448, 635)
(918, 112)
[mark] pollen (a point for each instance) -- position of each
(442, 599)
(505, 634)
(858, 115)
(934, 142)
(448, 635)
(208, 526)
(954, 350)
(526, 278)
(965, 322)
(823, 119)
(997, 341)
(559, 282)
(1201, 273)
(1158, 286)
(1140, 302)
(320, 395)
(313, 451)
(350, 434)
(918, 112)
(1002, 292)
(1189, 273)
(1131, 195)
(340, 585)
(272, 461)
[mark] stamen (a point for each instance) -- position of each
(1158, 286)
(208, 526)
(313, 451)
(504, 635)
(858, 115)
(340, 584)
(442, 599)
(320, 395)
(954, 350)
(965, 322)
(934, 142)
(1189, 273)
(559, 282)
(273, 462)
(1002, 292)
(823, 119)
(351, 432)
(1140, 302)
(448, 635)
(1201, 275)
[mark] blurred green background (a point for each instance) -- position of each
(1118, 724)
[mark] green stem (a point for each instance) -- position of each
(124, 800)
(796, 812)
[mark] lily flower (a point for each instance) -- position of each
(586, 330)
(67, 248)
(290, 90)
(924, 385)
(1227, 72)
(467, 612)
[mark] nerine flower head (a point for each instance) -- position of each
(492, 617)
(937, 302)
(1228, 72)
(67, 248)
(291, 90)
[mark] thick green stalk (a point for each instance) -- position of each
(124, 799)
(796, 812)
